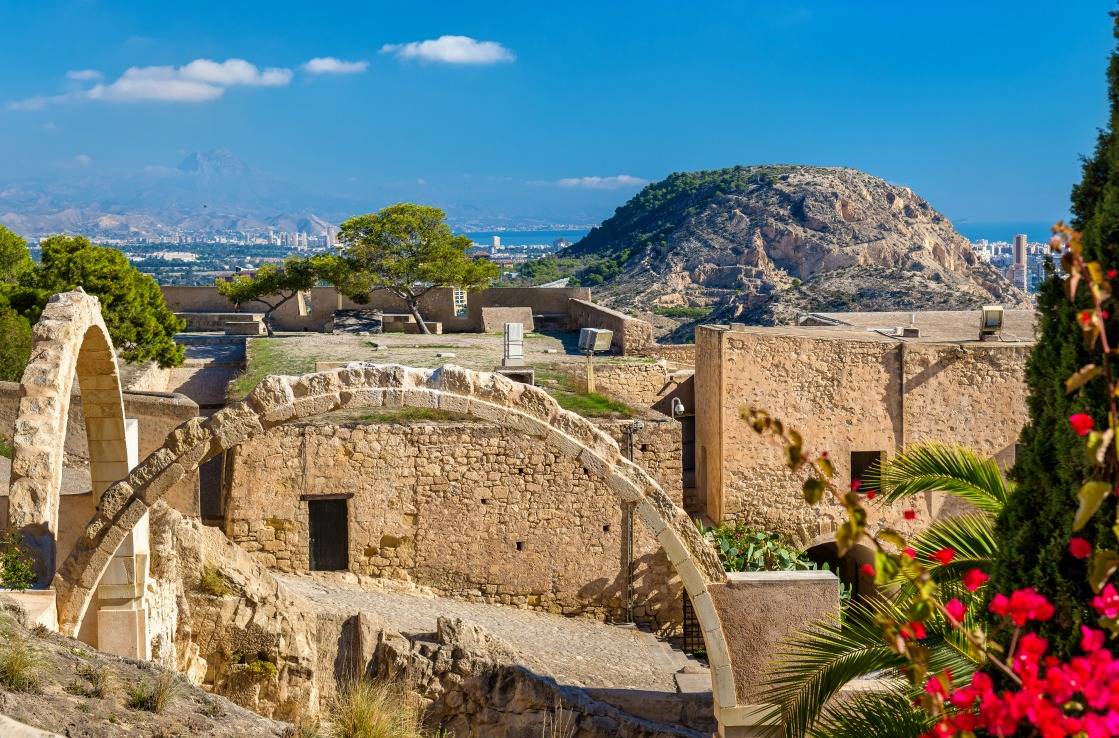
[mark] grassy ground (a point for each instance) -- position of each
(5, 448)
(269, 356)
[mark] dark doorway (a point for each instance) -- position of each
(211, 489)
(863, 464)
(330, 535)
(692, 504)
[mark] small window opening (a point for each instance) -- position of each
(520, 545)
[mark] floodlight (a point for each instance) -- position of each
(990, 321)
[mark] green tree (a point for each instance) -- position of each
(272, 286)
(132, 304)
(15, 347)
(1051, 466)
(408, 250)
(15, 259)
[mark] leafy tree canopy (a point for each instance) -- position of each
(409, 250)
(15, 259)
(132, 304)
(272, 286)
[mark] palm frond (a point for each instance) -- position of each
(971, 536)
(888, 714)
(815, 663)
(934, 467)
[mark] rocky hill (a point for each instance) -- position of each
(761, 243)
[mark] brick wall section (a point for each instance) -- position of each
(631, 335)
(682, 354)
(445, 505)
(844, 394)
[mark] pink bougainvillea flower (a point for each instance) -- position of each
(914, 630)
(908, 551)
(1079, 547)
(1112, 273)
(1081, 423)
(855, 484)
(944, 556)
(974, 579)
(909, 514)
(1085, 317)
(1091, 640)
(867, 569)
(1107, 602)
(955, 609)
(871, 495)
(1022, 606)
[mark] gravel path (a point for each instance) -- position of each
(575, 651)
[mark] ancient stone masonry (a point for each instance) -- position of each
(70, 342)
(849, 394)
(470, 509)
(481, 395)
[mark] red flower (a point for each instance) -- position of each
(955, 609)
(935, 685)
(974, 579)
(871, 495)
(1091, 640)
(908, 551)
(1081, 423)
(909, 514)
(867, 569)
(1107, 602)
(914, 630)
(1085, 317)
(944, 556)
(1024, 605)
(1112, 273)
(1079, 547)
(855, 484)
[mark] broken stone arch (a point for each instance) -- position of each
(70, 342)
(482, 395)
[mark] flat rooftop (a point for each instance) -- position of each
(935, 326)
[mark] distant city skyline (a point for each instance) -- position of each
(557, 114)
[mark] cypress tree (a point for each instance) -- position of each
(1051, 464)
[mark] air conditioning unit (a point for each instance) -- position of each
(595, 339)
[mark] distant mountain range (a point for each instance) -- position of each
(209, 192)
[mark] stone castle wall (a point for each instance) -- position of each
(469, 509)
(844, 394)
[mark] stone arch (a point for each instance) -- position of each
(70, 342)
(482, 395)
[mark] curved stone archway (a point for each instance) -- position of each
(481, 395)
(70, 342)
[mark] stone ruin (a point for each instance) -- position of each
(97, 579)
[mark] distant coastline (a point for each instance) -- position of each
(1036, 231)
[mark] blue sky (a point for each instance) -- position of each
(982, 107)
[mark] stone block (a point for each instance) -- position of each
(648, 515)
(424, 398)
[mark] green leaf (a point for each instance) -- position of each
(950, 469)
(1091, 495)
(813, 490)
(1104, 563)
(1082, 376)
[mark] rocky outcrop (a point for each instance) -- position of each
(738, 239)
(84, 693)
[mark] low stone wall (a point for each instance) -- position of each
(632, 336)
(469, 509)
(202, 321)
(682, 354)
(495, 318)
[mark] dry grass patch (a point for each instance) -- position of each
(20, 666)
(154, 696)
(213, 583)
(365, 709)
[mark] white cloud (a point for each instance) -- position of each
(83, 159)
(330, 65)
(603, 183)
(201, 80)
(83, 75)
(452, 50)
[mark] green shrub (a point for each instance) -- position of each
(682, 311)
(19, 666)
(154, 696)
(743, 549)
(15, 349)
(17, 566)
(213, 583)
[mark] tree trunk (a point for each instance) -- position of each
(268, 323)
(414, 306)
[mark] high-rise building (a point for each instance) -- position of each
(496, 243)
(1019, 270)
